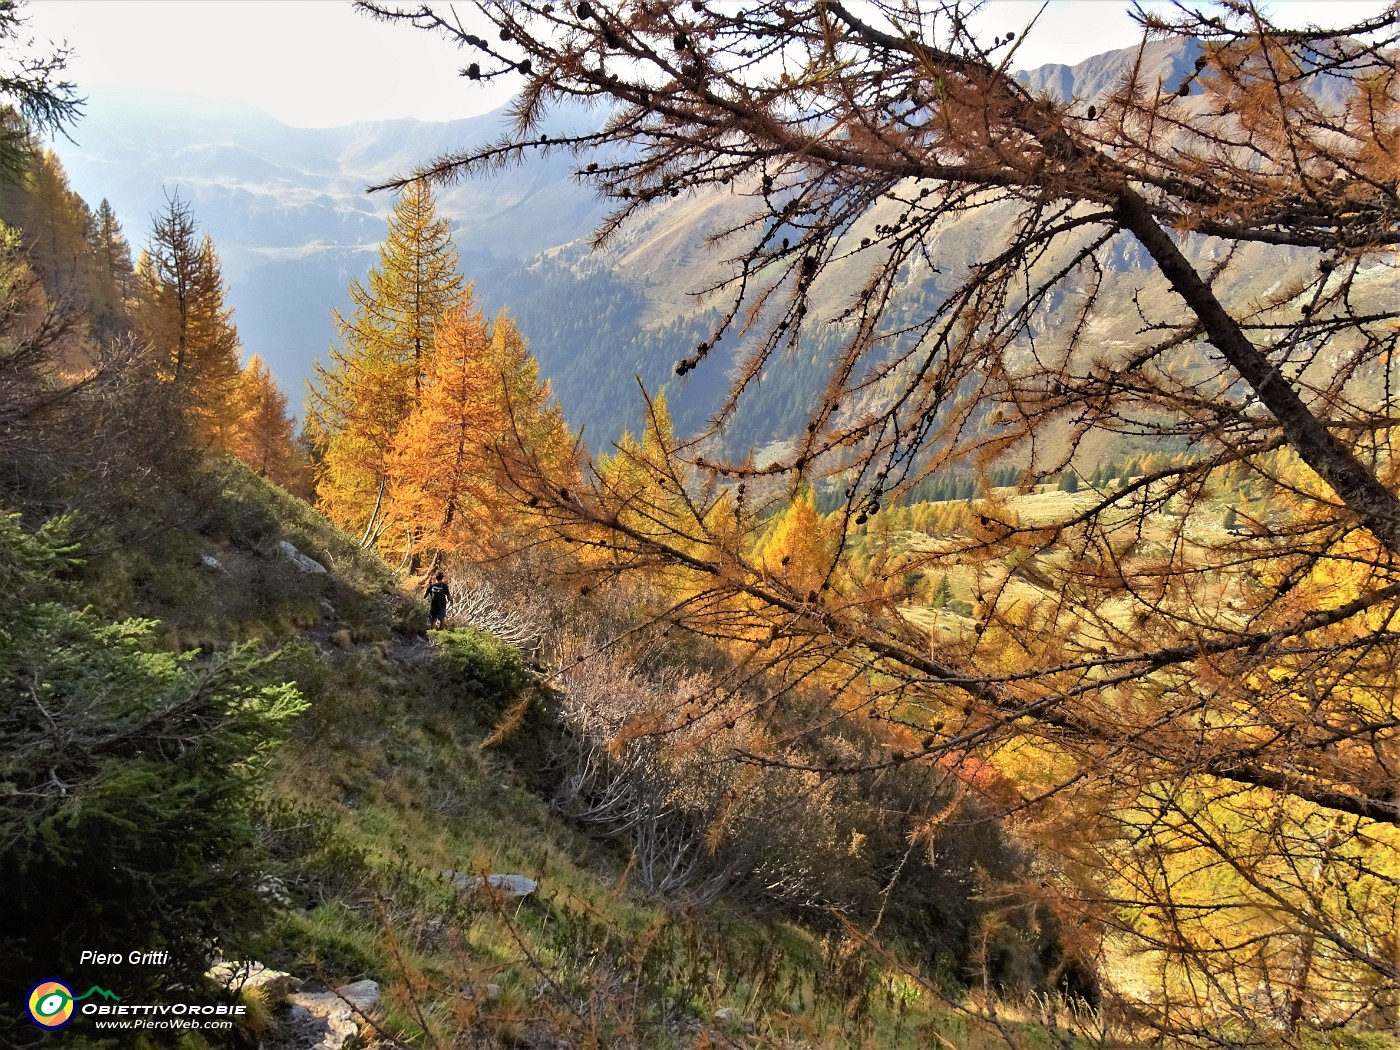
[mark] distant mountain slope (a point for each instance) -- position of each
(1167, 61)
(288, 207)
(289, 212)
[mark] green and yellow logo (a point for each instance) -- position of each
(51, 1002)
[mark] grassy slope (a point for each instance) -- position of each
(390, 781)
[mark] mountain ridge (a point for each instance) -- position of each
(260, 186)
(291, 215)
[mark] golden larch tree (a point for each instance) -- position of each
(482, 402)
(375, 376)
(1201, 728)
(180, 311)
(800, 548)
(265, 434)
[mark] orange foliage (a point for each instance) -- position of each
(480, 394)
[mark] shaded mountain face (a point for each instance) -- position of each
(292, 219)
(1166, 61)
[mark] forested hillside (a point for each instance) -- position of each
(261, 757)
(227, 737)
(289, 210)
(922, 572)
(1162, 300)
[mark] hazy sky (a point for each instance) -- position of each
(317, 63)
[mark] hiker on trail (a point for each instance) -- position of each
(438, 595)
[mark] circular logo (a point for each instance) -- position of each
(50, 1004)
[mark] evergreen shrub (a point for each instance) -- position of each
(127, 779)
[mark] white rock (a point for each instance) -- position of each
(507, 886)
(329, 1022)
(211, 562)
(274, 889)
(363, 995)
(254, 976)
(300, 560)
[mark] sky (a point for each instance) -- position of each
(319, 63)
